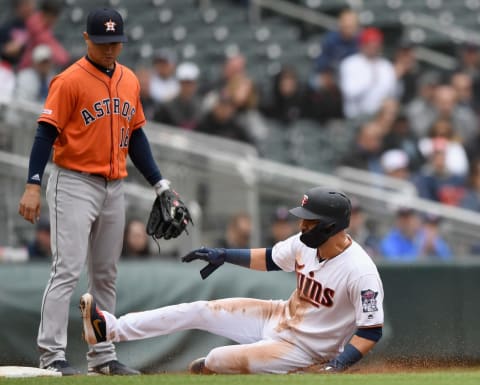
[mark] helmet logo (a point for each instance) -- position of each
(305, 199)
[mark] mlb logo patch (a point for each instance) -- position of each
(369, 300)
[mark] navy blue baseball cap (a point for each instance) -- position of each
(105, 25)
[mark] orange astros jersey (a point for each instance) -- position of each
(95, 116)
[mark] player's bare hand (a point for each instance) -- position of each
(29, 206)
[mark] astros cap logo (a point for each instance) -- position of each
(105, 25)
(110, 25)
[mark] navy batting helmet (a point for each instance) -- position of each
(329, 206)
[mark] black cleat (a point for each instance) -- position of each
(198, 367)
(112, 368)
(63, 367)
(94, 325)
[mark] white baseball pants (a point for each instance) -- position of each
(255, 324)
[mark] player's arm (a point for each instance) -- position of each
(29, 206)
(141, 156)
(360, 344)
(255, 259)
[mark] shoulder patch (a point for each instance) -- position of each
(369, 300)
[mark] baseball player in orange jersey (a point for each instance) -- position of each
(332, 319)
(93, 117)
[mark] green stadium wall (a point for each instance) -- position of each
(432, 312)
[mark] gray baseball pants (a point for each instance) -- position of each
(87, 219)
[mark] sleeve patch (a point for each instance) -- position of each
(369, 300)
(47, 111)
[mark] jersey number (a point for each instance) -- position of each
(124, 137)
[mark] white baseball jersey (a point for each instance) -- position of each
(333, 297)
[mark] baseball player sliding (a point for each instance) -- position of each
(332, 319)
(93, 118)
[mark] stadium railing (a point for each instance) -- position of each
(220, 177)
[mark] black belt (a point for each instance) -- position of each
(91, 174)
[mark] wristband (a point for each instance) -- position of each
(345, 359)
(161, 186)
(240, 257)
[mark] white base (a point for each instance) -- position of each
(26, 371)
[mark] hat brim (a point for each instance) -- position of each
(101, 39)
(301, 212)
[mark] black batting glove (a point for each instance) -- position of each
(214, 256)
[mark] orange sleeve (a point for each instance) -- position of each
(59, 104)
(139, 119)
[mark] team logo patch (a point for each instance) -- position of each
(369, 300)
(110, 25)
(304, 200)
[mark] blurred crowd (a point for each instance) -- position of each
(414, 124)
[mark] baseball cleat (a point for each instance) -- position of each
(198, 367)
(112, 368)
(62, 366)
(94, 325)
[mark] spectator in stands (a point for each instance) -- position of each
(14, 33)
(463, 85)
(144, 75)
(323, 99)
(238, 232)
(386, 115)
(185, 109)
(40, 27)
(421, 109)
(411, 240)
(401, 136)
(221, 121)
(456, 156)
(284, 104)
(281, 226)
(39, 247)
(471, 199)
(7, 83)
(243, 92)
(360, 231)
(163, 83)
(135, 241)
(339, 44)
(395, 164)
(32, 83)
(446, 106)
(472, 147)
(407, 71)
(367, 148)
(469, 58)
(366, 78)
(234, 66)
(435, 182)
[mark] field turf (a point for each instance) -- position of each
(448, 377)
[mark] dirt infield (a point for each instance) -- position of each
(414, 365)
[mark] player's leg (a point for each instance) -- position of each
(240, 319)
(266, 356)
(70, 208)
(105, 248)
